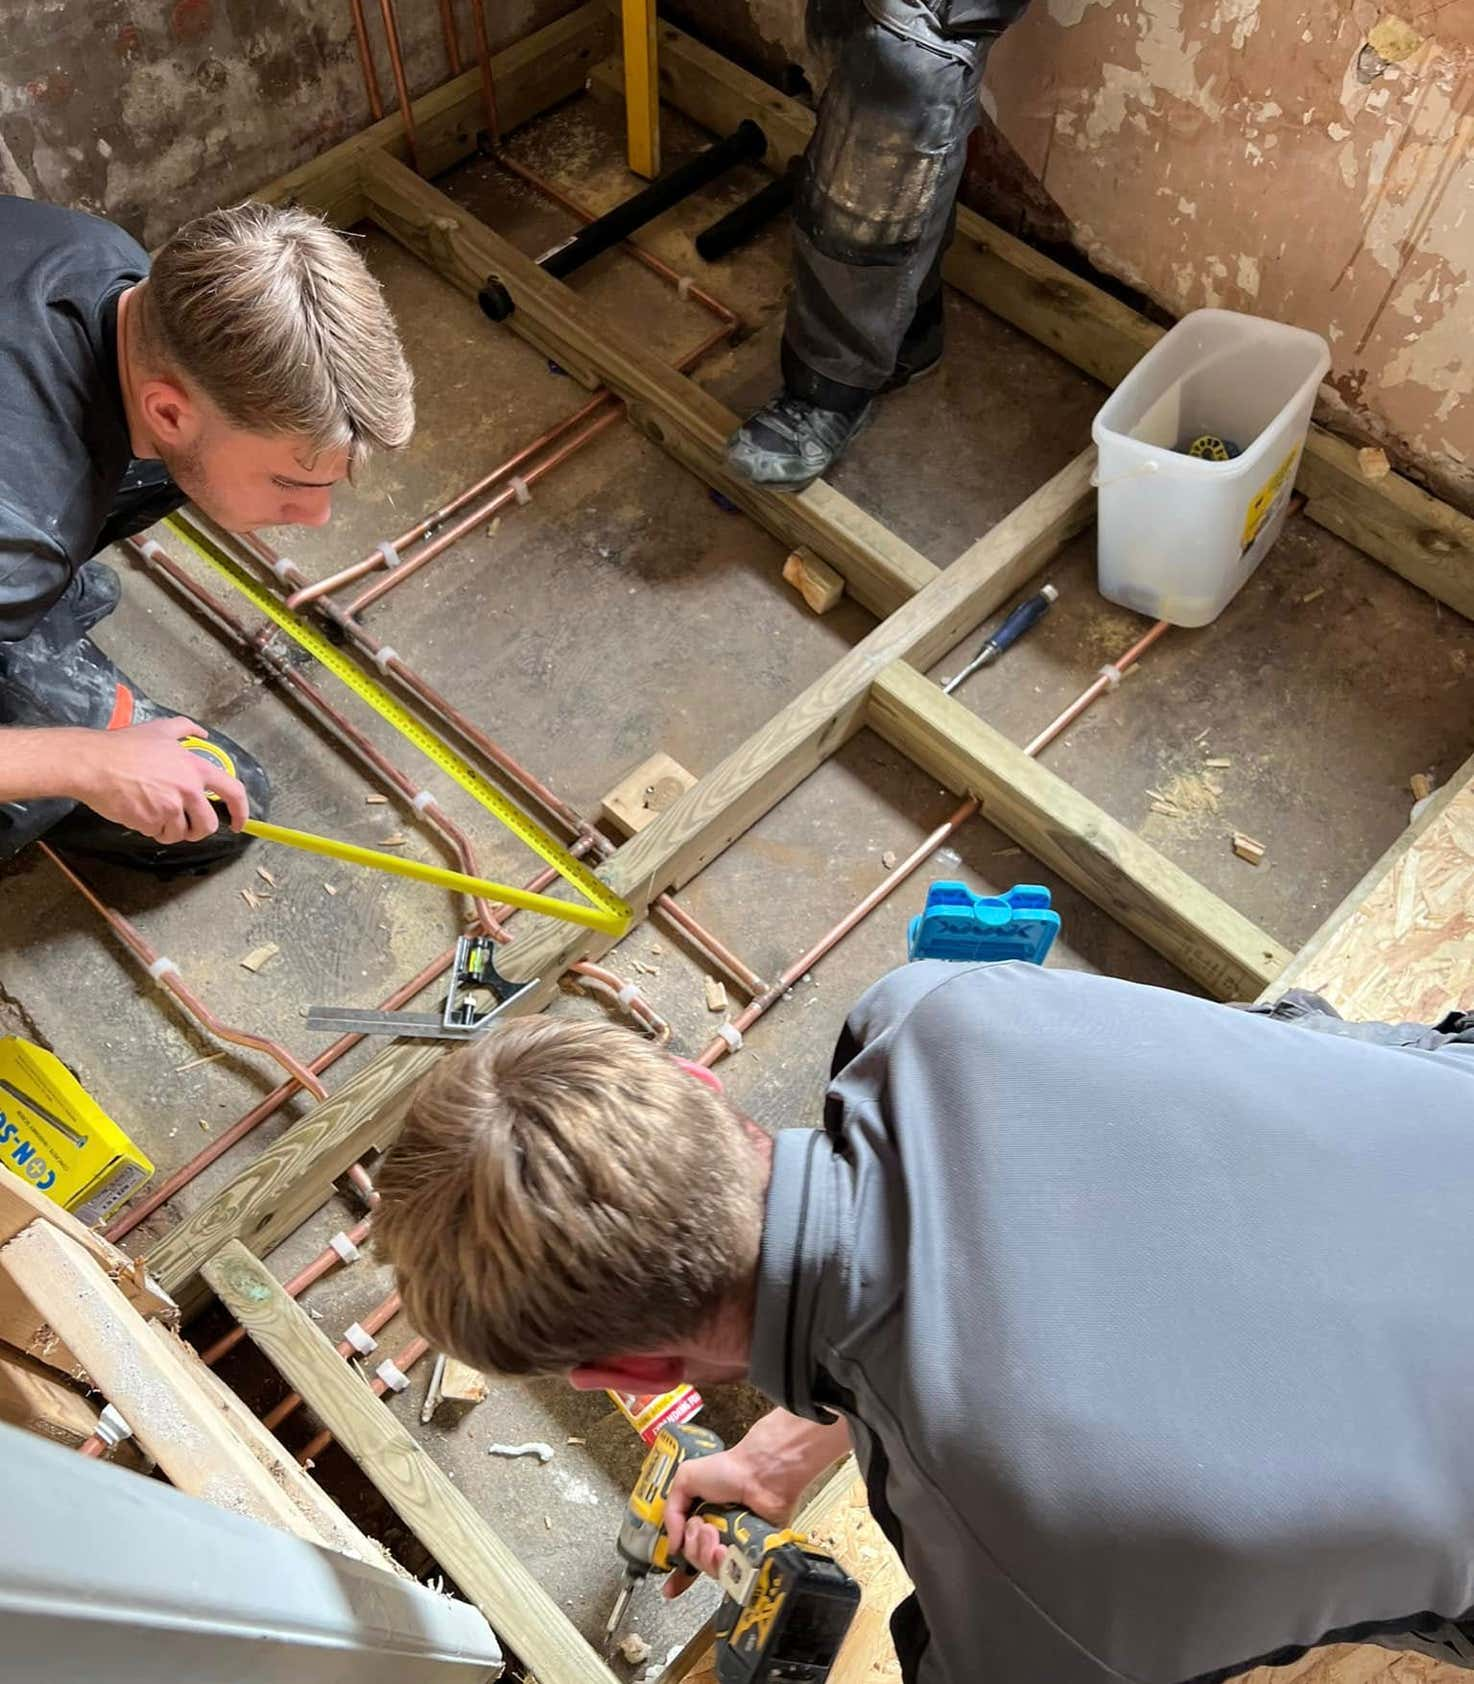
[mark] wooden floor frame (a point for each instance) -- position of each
(922, 611)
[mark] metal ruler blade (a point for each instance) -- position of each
(613, 914)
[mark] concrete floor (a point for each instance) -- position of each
(624, 611)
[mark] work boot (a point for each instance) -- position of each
(790, 442)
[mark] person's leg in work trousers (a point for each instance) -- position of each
(55, 676)
(874, 214)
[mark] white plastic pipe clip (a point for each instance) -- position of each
(112, 1429)
(382, 657)
(152, 550)
(390, 555)
(161, 967)
(364, 1343)
(423, 800)
(684, 283)
(395, 1379)
(521, 490)
(628, 995)
(286, 569)
(1112, 674)
(344, 1247)
(731, 1034)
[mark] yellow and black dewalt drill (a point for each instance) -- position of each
(786, 1605)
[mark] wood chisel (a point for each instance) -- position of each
(1013, 628)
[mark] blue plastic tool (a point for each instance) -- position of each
(957, 924)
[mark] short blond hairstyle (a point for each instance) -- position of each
(278, 320)
(562, 1192)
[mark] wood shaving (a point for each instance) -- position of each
(644, 969)
(395, 841)
(716, 994)
(1310, 596)
(1373, 462)
(331, 888)
(195, 1063)
(252, 899)
(1219, 762)
(375, 800)
(265, 875)
(258, 956)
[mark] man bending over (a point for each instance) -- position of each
(1149, 1320)
(249, 371)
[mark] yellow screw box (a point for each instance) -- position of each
(54, 1135)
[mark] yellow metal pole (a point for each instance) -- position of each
(641, 87)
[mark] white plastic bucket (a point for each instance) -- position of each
(1178, 536)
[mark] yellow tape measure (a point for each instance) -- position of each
(607, 912)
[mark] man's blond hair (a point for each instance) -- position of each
(564, 1191)
(279, 322)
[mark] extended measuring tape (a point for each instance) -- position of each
(607, 912)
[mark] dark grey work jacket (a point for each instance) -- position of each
(1153, 1320)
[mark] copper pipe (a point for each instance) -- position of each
(651, 262)
(258, 1114)
(494, 924)
(371, 1323)
(327, 1259)
(363, 1185)
(153, 555)
(488, 78)
(717, 1048)
(403, 1360)
(93, 1445)
(371, 563)
(751, 983)
(401, 85)
(165, 972)
(443, 540)
(366, 60)
(1110, 676)
(508, 494)
(452, 39)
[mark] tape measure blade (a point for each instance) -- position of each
(616, 914)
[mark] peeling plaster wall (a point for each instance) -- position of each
(1256, 154)
(150, 111)
(1262, 157)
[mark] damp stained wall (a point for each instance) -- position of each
(1260, 155)
(150, 111)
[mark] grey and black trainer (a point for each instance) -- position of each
(790, 442)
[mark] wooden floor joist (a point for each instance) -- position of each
(880, 568)
(1430, 543)
(294, 1175)
(531, 76)
(21, 1323)
(282, 1186)
(144, 1378)
(490, 1575)
(1125, 876)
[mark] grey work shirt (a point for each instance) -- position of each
(1153, 1320)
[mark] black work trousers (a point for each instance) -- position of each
(877, 193)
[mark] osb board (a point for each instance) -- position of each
(1346, 1664)
(1402, 947)
(848, 1531)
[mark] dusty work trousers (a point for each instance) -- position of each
(878, 189)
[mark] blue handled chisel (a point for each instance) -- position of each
(1012, 629)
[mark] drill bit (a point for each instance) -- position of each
(616, 1614)
(1012, 629)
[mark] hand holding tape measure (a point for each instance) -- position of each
(605, 910)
